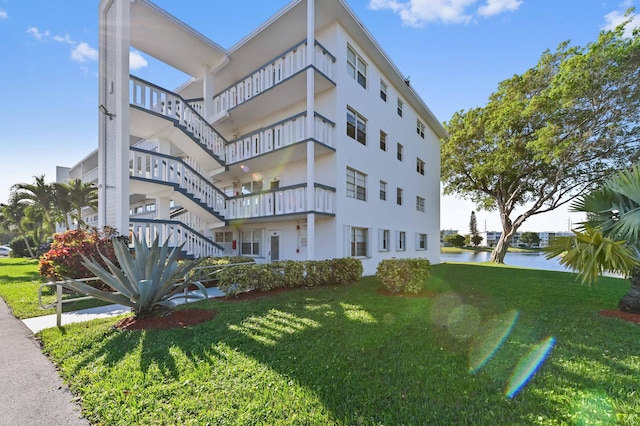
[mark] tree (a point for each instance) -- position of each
(72, 197)
(475, 237)
(41, 196)
(12, 216)
(548, 135)
(456, 240)
(530, 238)
(609, 240)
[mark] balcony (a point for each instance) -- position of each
(281, 202)
(286, 71)
(157, 112)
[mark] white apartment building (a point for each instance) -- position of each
(302, 141)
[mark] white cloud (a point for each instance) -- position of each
(3, 14)
(83, 52)
(37, 34)
(418, 12)
(495, 7)
(64, 39)
(613, 19)
(136, 61)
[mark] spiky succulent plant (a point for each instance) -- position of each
(149, 281)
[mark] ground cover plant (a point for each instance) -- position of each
(19, 283)
(347, 355)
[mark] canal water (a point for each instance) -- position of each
(534, 260)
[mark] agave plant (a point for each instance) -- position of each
(148, 281)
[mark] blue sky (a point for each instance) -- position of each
(455, 52)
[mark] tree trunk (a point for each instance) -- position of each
(630, 302)
(500, 250)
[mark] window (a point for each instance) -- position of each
(250, 243)
(383, 90)
(401, 238)
(421, 241)
(356, 67)
(399, 196)
(225, 239)
(383, 240)
(400, 150)
(383, 140)
(383, 190)
(252, 187)
(356, 126)
(400, 107)
(359, 242)
(356, 184)
(420, 204)
(420, 166)
(420, 128)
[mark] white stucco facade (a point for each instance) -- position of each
(273, 148)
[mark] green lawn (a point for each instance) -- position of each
(351, 356)
(19, 283)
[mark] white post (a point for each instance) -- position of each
(310, 125)
(207, 105)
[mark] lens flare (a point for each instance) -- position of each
(491, 338)
(443, 305)
(244, 168)
(463, 322)
(528, 366)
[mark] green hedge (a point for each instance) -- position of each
(289, 273)
(202, 274)
(404, 275)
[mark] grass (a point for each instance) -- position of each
(19, 283)
(350, 356)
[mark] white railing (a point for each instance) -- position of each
(198, 106)
(162, 168)
(195, 244)
(90, 176)
(272, 74)
(280, 202)
(276, 136)
(160, 101)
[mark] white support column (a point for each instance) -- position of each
(163, 208)
(121, 112)
(310, 125)
(207, 105)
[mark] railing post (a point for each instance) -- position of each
(58, 305)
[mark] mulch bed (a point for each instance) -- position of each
(175, 319)
(627, 316)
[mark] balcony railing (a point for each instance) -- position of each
(271, 74)
(153, 98)
(90, 176)
(163, 168)
(195, 244)
(276, 136)
(281, 201)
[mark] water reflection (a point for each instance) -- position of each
(535, 260)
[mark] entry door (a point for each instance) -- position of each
(275, 247)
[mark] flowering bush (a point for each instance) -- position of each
(64, 260)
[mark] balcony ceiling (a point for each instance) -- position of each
(171, 41)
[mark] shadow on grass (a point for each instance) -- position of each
(374, 359)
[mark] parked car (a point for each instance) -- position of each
(5, 251)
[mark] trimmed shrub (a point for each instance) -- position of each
(346, 270)
(19, 248)
(404, 275)
(288, 273)
(201, 273)
(317, 273)
(64, 260)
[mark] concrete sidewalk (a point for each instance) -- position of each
(31, 391)
(47, 321)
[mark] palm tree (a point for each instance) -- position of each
(13, 215)
(81, 195)
(62, 202)
(39, 194)
(609, 240)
